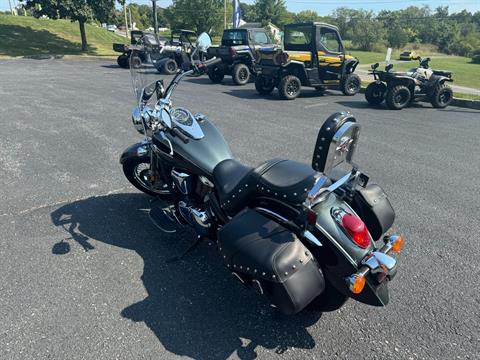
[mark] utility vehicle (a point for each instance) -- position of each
(313, 56)
(237, 53)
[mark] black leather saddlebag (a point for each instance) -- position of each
(272, 260)
(372, 205)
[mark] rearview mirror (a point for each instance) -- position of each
(203, 42)
(388, 67)
(374, 66)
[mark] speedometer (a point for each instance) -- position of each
(182, 116)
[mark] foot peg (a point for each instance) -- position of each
(163, 218)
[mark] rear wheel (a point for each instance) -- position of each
(351, 84)
(241, 74)
(122, 61)
(137, 171)
(263, 85)
(216, 75)
(398, 97)
(442, 96)
(289, 87)
(170, 67)
(375, 93)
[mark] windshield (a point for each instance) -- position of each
(298, 37)
(143, 72)
(232, 38)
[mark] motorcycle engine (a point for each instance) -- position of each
(190, 208)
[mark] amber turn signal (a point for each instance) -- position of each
(356, 283)
(397, 243)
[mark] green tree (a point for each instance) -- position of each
(367, 30)
(248, 12)
(274, 11)
(307, 16)
(75, 10)
(397, 37)
(198, 15)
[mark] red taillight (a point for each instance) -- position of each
(232, 51)
(357, 230)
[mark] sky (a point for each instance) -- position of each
(325, 7)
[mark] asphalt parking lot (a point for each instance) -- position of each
(85, 275)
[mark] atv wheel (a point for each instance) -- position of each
(442, 96)
(263, 85)
(135, 62)
(398, 97)
(122, 61)
(216, 75)
(240, 74)
(351, 84)
(170, 67)
(375, 93)
(289, 87)
(321, 90)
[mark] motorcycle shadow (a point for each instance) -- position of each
(194, 306)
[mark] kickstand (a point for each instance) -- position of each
(189, 249)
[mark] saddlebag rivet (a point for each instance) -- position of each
(286, 273)
(294, 267)
(263, 274)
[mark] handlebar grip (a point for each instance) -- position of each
(180, 135)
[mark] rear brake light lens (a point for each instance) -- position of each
(357, 230)
(232, 51)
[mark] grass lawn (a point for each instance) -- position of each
(23, 35)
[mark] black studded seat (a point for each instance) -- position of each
(285, 180)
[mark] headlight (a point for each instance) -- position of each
(142, 120)
(137, 120)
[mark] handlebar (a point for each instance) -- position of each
(177, 132)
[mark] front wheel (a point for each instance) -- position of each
(216, 75)
(442, 96)
(137, 171)
(375, 93)
(263, 85)
(289, 87)
(240, 74)
(398, 97)
(351, 84)
(122, 61)
(170, 67)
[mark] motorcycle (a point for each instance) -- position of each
(303, 236)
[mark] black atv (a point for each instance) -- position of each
(166, 55)
(399, 89)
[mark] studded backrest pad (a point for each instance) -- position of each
(325, 137)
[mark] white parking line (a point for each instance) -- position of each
(315, 105)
